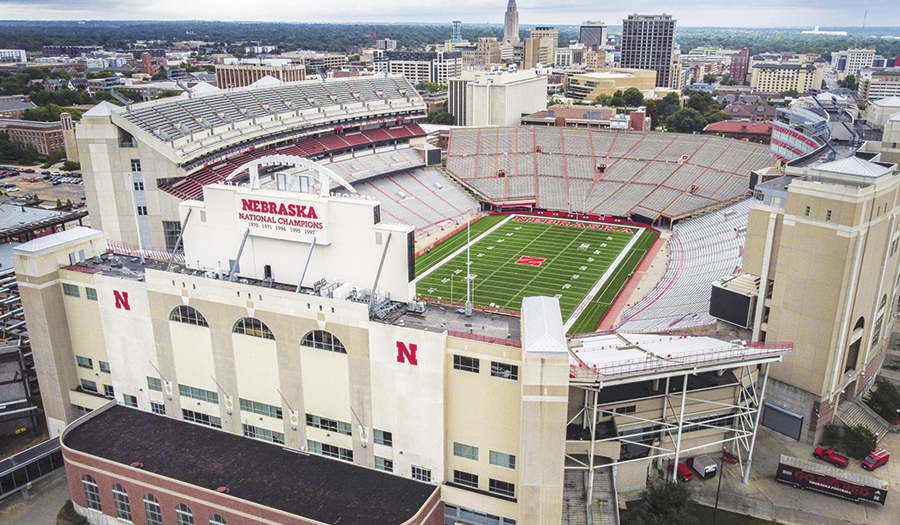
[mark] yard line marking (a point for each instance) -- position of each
(606, 275)
(459, 251)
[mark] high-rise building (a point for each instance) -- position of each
(538, 51)
(850, 61)
(482, 98)
(647, 43)
(547, 32)
(740, 66)
(416, 66)
(511, 24)
(593, 33)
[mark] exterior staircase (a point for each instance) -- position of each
(854, 412)
(605, 509)
(574, 502)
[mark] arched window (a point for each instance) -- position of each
(184, 515)
(91, 492)
(215, 519)
(186, 314)
(323, 341)
(860, 323)
(120, 498)
(152, 510)
(253, 326)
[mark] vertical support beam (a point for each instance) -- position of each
(680, 427)
(759, 409)
(180, 235)
(591, 466)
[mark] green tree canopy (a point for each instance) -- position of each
(603, 100)
(49, 113)
(709, 78)
(687, 120)
(849, 82)
(440, 116)
(665, 504)
(668, 105)
(633, 97)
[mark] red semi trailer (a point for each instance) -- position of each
(831, 481)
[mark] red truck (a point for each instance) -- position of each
(829, 455)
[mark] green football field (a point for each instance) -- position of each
(583, 263)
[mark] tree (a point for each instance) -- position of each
(687, 120)
(440, 116)
(633, 97)
(848, 82)
(71, 165)
(885, 399)
(666, 504)
(857, 441)
(709, 78)
(668, 105)
(49, 113)
(603, 100)
(716, 116)
(618, 99)
(793, 93)
(652, 112)
(831, 435)
(703, 102)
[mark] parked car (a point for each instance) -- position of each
(876, 459)
(829, 455)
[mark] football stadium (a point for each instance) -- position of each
(479, 332)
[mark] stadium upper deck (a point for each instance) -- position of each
(213, 123)
(646, 175)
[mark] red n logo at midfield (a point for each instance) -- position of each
(121, 300)
(405, 354)
(533, 261)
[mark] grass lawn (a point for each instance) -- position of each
(585, 264)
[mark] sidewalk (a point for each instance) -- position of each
(46, 498)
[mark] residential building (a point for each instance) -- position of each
(481, 98)
(648, 43)
(14, 106)
(511, 24)
(822, 248)
(880, 83)
(386, 44)
(592, 34)
(774, 77)
(244, 75)
(740, 66)
(46, 137)
(13, 56)
(588, 86)
(419, 66)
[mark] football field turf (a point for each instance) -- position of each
(583, 263)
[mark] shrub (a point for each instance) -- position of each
(857, 441)
(831, 436)
(664, 504)
(68, 516)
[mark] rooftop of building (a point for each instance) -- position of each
(766, 65)
(30, 124)
(314, 487)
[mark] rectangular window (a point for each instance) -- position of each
(808, 209)
(384, 464)
(465, 479)
(91, 293)
(71, 290)
(504, 371)
(135, 165)
(495, 486)
(330, 450)
(503, 460)
(421, 474)
(104, 366)
(626, 410)
(130, 401)
(384, 438)
(263, 434)
(261, 409)
(138, 186)
(154, 383)
(466, 364)
(828, 215)
(203, 419)
(142, 210)
(108, 391)
(158, 408)
(199, 394)
(82, 411)
(84, 362)
(465, 451)
(329, 424)
(171, 230)
(89, 386)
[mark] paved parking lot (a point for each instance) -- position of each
(766, 498)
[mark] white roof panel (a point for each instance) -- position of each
(79, 233)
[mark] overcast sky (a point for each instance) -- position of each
(717, 13)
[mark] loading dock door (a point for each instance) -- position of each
(781, 420)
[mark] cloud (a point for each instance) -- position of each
(724, 13)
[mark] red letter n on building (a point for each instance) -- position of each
(406, 354)
(121, 300)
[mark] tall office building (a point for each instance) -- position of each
(550, 33)
(647, 43)
(511, 24)
(593, 33)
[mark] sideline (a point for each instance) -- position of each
(464, 246)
